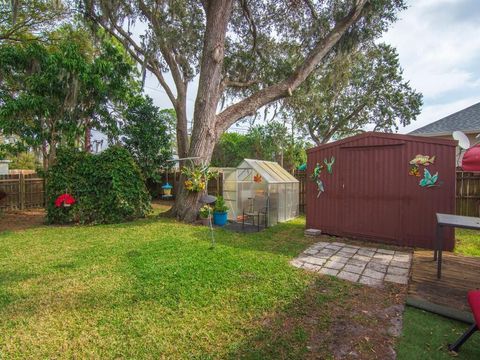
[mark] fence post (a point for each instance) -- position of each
(21, 191)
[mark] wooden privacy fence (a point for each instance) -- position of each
(468, 194)
(24, 191)
(467, 198)
(301, 176)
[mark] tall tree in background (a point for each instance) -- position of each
(354, 90)
(146, 134)
(251, 52)
(30, 20)
(51, 92)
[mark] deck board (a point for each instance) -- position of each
(459, 274)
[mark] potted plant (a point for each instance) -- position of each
(204, 213)
(220, 212)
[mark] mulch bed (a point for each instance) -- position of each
(21, 220)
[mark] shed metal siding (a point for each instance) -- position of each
(370, 194)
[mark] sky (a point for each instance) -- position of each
(438, 42)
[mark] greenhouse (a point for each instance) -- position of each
(260, 192)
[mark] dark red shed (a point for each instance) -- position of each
(374, 191)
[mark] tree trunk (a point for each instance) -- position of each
(204, 136)
(182, 125)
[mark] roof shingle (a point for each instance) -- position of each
(466, 120)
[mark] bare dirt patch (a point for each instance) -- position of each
(333, 319)
(21, 220)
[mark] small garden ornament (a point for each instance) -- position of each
(316, 177)
(424, 160)
(329, 164)
(428, 180)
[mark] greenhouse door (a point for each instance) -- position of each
(370, 194)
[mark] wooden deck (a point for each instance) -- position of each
(459, 274)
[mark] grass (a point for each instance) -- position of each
(151, 289)
(425, 336)
(467, 242)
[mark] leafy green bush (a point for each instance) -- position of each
(107, 187)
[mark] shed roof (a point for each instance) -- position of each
(466, 120)
(389, 136)
(271, 171)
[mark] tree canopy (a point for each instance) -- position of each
(51, 92)
(356, 89)
(146, 133)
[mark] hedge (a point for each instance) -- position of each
(108, 187)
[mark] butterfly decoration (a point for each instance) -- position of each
(414, 171)
(329, 164)
(257, 178)
(428, 180)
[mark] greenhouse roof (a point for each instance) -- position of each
(271, 171)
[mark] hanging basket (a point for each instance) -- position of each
(64, 200)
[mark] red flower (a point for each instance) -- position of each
(64, 199)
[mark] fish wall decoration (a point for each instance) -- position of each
(424, 160)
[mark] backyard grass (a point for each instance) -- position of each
(425, 336)
(150, 289)
(467, 242)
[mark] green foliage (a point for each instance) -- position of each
(50, 93)
(220, 205)
(24, 161)
(145, 133)
(205, 211)
(231, 149)
(357, 89)
(271, 142)
(107, 187)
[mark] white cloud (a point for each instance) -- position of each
(439, 45)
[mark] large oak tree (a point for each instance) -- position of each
(249, 53)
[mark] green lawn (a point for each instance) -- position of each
(153, 288)
(425, 336)
(467, 242)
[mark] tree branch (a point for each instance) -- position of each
(280, 90)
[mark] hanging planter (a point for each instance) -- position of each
(197, 177)
(65, 200)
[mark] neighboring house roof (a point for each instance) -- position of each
(466, 120)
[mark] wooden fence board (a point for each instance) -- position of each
(23, 191)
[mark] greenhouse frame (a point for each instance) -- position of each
(260, 184)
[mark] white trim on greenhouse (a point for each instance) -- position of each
(261, 182)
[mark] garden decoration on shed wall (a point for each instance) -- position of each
(316, 177)
(329, 164)
(414, 171)
(424, 160)
(428, 180)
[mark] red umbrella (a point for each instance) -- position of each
(471, 159)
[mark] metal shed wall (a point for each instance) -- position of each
(371, 195)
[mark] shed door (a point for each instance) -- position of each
(371, 191)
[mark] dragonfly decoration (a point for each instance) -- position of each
(329, 164)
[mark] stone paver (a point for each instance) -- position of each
(365, 265)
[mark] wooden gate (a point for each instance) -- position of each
(24, 191)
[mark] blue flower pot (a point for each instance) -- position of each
(220, 218)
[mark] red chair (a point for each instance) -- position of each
(474, 301)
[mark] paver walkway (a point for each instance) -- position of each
(369, 266)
